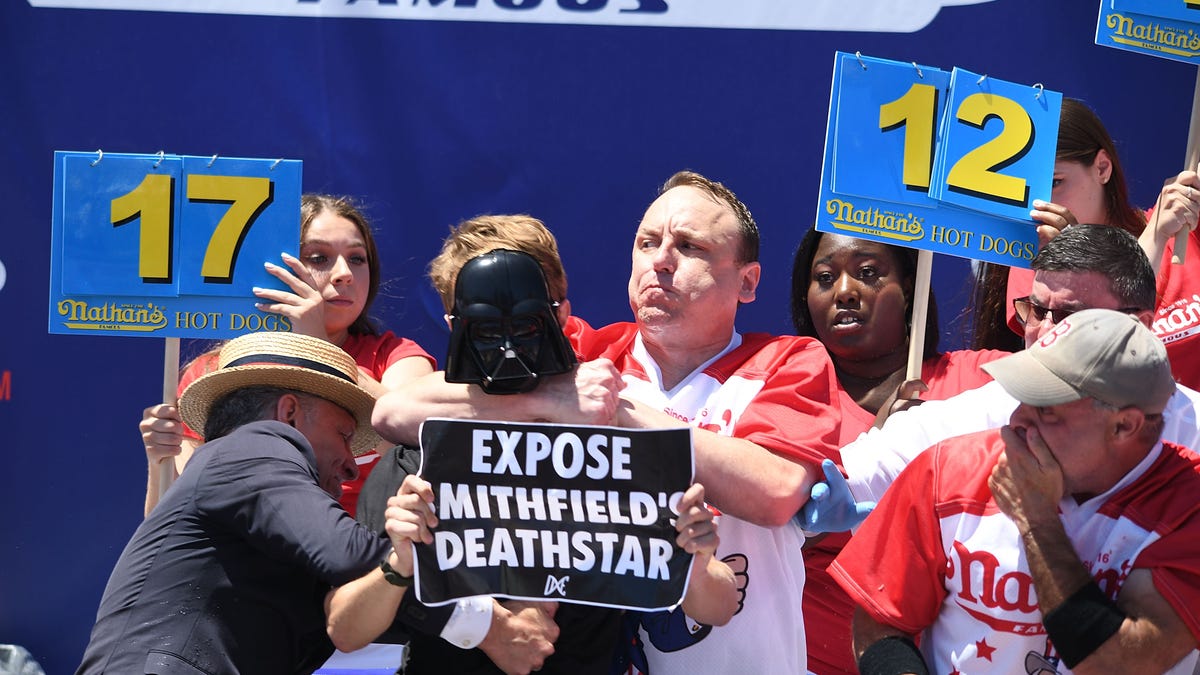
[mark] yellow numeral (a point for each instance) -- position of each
(916, 110)
(151, 200)
(247, 197)
(976, 172)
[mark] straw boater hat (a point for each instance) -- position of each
(287, 361)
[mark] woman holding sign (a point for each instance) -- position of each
(333, 284)
(1089, 187)
(855, 296)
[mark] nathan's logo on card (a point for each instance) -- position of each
(79, 315)
(876, 221)
(1149, 33)
(578, 514)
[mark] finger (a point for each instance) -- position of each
(820, 491)
(830, 469)
(299, 269)
(1039, 450)
(300, 286)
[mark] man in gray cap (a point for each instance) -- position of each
(1069, 538)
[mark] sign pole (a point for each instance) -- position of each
(1191, 161)
(920, 311)
(170, 388)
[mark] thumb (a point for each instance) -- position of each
(819, 492)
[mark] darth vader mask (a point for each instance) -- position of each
(504, 335)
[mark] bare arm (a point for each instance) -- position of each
(358, 612)
(712, 593)
(162, 434)
(586, 396)
(742, 478)
(1174, 212)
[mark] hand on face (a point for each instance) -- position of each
(1027, 481)
(304, 306)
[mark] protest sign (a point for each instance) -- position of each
(552, 512)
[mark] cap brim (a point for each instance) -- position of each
(196, 400)
(1030, 382)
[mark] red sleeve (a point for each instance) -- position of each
(893, 566)
(796, 413)
(377, 353)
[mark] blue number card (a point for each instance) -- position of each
(166, 245)
(943, 161)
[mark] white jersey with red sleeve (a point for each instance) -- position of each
(777, 392)
(938, 557)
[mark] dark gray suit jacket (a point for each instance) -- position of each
(228, 574)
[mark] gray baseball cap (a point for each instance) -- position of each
(1107, 355)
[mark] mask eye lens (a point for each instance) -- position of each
(487, 331)
(526, 327)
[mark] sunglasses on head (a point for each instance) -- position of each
(1027, 310)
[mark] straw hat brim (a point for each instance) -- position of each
(199, 396)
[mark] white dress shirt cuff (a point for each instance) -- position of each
(469, 623)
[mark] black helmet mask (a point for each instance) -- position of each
(504, 335)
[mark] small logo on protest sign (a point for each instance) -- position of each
(556, 585)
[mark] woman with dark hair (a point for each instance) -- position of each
(333, 283)
(1089, 187)
(856, 297)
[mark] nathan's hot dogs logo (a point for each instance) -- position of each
(876, 221)
(80, 315)
(149, 317)
(908, 227)
(1149, 33)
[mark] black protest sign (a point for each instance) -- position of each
(552, 512)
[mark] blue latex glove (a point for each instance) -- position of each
(831, 506)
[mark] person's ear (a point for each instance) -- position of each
(287, 409)
(563, 311)
(1128, 423)
(750, 274)
(1103, 166)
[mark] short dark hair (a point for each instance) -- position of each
(239, 407)
(746, 225)
(1110, 251)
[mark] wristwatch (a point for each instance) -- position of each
(393, 577)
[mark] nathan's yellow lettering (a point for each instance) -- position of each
(950, 236)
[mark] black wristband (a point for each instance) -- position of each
(393, 577)
(1082, 623)
(892, 655)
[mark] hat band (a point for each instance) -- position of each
(256, 359)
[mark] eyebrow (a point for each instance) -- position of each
(357, 243)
